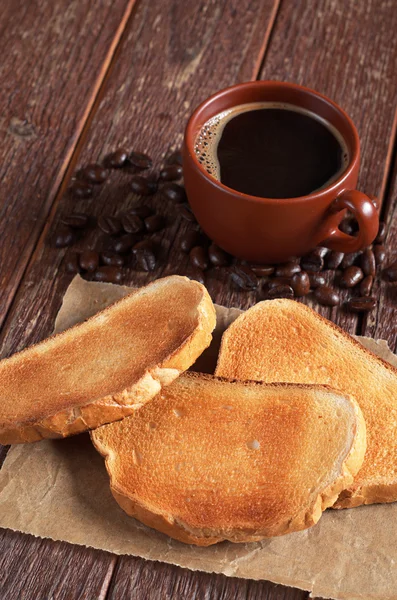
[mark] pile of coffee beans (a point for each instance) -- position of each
(126, 239)
(128, 242)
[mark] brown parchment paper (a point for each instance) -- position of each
(60, 490)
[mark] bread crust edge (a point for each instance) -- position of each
(355, 495)
(306, 518)
(115, 407)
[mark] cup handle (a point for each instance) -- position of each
(364, 210)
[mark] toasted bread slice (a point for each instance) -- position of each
(283, 340)
(210, 459)
(102, 370)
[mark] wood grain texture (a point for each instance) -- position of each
(31, 568)
(145, 580)
(54, 57)
(173, 55)
(381, 323)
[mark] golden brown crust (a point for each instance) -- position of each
(352, 368)
(177, 353)
(132, 459)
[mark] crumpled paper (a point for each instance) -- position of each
(60, 490)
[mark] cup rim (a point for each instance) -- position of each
(335, 187)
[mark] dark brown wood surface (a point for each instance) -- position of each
(135, 578)
(146, 109)
(36, 569)
(382, 322)
(139, 92)
(54, 57)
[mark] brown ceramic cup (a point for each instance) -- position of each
(268, 230)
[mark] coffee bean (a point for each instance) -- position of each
(93, 173)
(171, 173)
(244, 277)
(145, 259)
(363, 304)
(108, 274)
(140, 160)
(349, 259)
(174, 192)
(72, 263)
(145, 244)
(321, 251)
(154, 223)
(351, 277)
(312, 262)
(326, 295)
(186, 212)
(275, 281)
(366, 285)
(368, 262)
(334, 259)
(217, 256)
(110, 225)
(263, 270)
(174, 159)
(111, 259)
(280, 291)
(380, 255)
(381, 233)
(65, 236)
(316, 279)
(76, 221)
(89, 260)
(117, 159)
(132, 223)
(124, 243)
(143, 186)
(81, 189)
(142, 211)
(198, 258)
(196, 274)
(300, 283)
(287, 269)
(390, 274)
(189, 240)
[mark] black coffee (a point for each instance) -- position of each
(271, 150)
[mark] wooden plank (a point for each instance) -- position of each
(54, 59)
(382, 322)
(42, 569)
(173, 55)
(144, 580)
(336, 50)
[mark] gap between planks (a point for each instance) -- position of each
(61, 179)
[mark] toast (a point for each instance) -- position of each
(284, 340)
(210, 459)
(102, 370)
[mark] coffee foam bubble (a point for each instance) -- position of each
(206, 143)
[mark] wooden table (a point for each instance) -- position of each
(81, 78)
